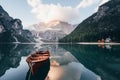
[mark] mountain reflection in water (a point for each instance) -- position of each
(71, 71)
(103, 61)
(67, 62)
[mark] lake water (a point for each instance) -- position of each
(66, 62)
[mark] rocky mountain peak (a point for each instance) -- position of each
(51, 31)
(101, 12)
(11, 30)
(2, 11)
(101, 25)
(107, 9)
(53, 23)
(115, 0)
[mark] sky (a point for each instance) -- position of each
(35, 11)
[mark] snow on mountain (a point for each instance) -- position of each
(51, 31)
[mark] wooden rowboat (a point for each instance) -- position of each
(37, 60)
(38, 56)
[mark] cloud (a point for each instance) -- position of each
(86, 3)
(33, 3)
(49, 12)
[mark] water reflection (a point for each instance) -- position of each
(70, 71)
(104, 62)
(64, 66)
(107, 46)
(67, 62)
(38, 71)
(10, 55)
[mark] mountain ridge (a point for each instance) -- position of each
(101, 25)
(11, 30)
(51, 31)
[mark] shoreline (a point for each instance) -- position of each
(96, 43)
(83, 43)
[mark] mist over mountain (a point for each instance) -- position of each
(101, 25)
(51, 31)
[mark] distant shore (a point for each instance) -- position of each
(84, 43)
(95, 43)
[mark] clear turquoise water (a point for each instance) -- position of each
(73, 62)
